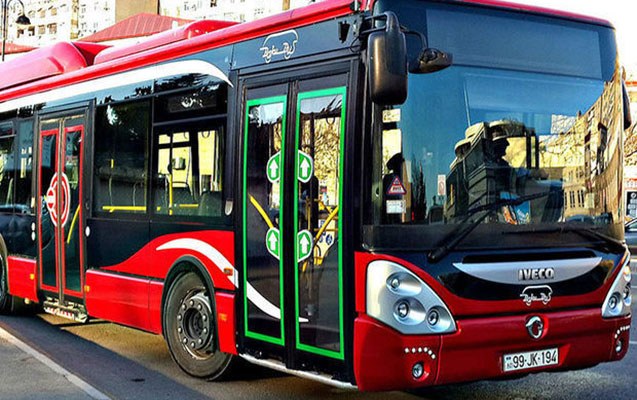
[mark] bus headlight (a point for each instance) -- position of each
(619, 298)
(400, 299)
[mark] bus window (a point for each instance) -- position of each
(121, 158)
(210, 172)
(188, 172)
(23, 188)
(7, 166)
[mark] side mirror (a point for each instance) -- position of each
(431, 60)
(387, 63)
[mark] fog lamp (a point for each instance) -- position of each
(619, 346)
(418, 370)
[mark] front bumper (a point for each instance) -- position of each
(384, 357)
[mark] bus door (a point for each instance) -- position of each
(60, 219)
(291, 249)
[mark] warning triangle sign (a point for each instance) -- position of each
(396, 188)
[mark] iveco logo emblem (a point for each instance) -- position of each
(535, 327)
(536, 274)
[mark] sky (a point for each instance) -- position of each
(619, 12)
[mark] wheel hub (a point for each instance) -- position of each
(193, 323)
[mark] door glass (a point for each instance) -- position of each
(262, 211)
(48, 213)
(318, 250)
(71, 213)
(60, 219)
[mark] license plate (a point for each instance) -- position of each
(530, 360)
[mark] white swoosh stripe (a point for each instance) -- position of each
(118, 80)
(205, 249)
(222, 263)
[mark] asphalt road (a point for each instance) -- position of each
(127, 364)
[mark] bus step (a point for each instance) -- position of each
(72, 311)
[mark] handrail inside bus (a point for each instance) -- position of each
(320, 232)
(77, 213)
(261, 211)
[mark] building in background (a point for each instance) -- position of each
(228, 10)
(62, 20)
(59, 20)
(51, 21)
(630, 148)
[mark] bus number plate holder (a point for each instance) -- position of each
(530, 360)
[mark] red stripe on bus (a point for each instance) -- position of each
(118, 298)
(21, 275)
(226, 323)
(155, 293)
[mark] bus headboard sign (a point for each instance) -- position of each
(280, 44)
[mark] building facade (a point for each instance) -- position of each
(228, 10)
(51, 21)
(61, 20)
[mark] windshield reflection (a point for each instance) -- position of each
(471, 137)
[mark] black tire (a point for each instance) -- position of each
(6, 300)
(190, 329)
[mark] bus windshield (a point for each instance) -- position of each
(522, 133)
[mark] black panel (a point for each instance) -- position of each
(470, 287)
(114, 241)
(16, 232)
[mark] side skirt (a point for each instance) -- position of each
(277, 366)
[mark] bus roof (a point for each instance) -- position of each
(26, 80)
(68, 63)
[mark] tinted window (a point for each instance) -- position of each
(513, 43)
(201, 102)
(522, 129)
(7, 166)
(121, 158)
(25, 166)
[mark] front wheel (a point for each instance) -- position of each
(190, 329)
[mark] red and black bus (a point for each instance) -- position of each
(378, 194)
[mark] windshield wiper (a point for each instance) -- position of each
(592, 233)
(461, 232)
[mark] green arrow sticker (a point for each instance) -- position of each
(273, 242)
(273, 168)
(305, 167)
(304, 244)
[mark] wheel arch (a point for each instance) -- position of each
(183, 265)
(7, 301)
(4, 263)
(4, 252)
